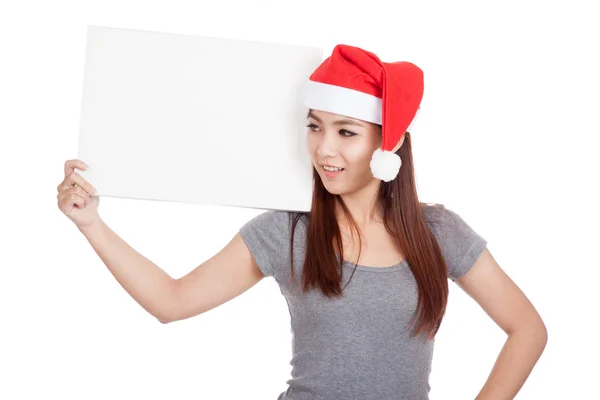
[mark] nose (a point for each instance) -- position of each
(328, 145)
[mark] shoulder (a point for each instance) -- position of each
(274, 221)
(431, 209)
(437, 217)
(460, 244)
(267, 227)
(441, 219)
(267, 235)
(269, 217)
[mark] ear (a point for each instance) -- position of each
(397, 147)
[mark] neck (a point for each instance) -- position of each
(363, 204)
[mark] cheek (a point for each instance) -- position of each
(358, 153)
(311, 144)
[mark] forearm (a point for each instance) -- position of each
(515, 362)
(149, 285)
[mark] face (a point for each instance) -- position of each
(338, 142)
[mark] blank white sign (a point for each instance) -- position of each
(196, 119)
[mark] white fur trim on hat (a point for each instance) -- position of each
(385, 165)
(343, 101)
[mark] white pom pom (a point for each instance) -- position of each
(385, 165)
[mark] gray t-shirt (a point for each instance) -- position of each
(357, 347)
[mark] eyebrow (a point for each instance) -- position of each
(338, 122)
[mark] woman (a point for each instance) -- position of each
(365, 273)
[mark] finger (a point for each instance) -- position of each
(68, 200)
(82, 193)
(76, 180)
(70, 166)
(71, 195)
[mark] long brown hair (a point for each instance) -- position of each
(404, 219)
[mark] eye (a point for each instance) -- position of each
(311, 126)
(349, 134)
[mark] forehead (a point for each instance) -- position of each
(325, 116)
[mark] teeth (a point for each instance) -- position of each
(332, 169)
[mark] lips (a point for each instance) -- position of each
(331, 166)
(332, 174)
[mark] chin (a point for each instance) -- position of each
(334, 192)
(336, 189)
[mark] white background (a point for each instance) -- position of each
(507, 138)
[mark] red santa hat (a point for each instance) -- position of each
(356, 83)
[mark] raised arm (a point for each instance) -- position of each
(223, 277)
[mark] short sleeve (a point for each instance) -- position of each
(461, 246)
(267, 236)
